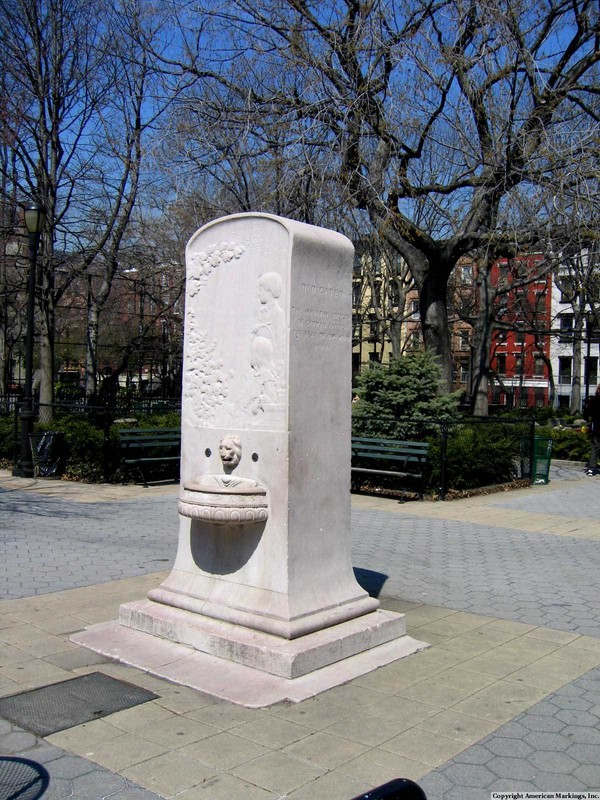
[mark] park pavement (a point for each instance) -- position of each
(504, 588)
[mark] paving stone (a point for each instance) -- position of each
(577, 717)
(471, 567)
(551, 760)
(545, 724)
(511, 748)
(278, 772)
(97, 784)
(474, 755)
(510, 785)
(588, 774)
(551, 782)
(469, 775)
(71, 776)
(548, 741)
(70, 767)
(582, 735)
(16, 741)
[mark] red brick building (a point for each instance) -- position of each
(520, 353)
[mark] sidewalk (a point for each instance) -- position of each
(503, 587)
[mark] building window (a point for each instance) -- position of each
(501, 364)
(373, 327)
(464, 340)
(539, 366)
(518, 365)
(591, 371)
(374, 358)
(376, 295)
(464, 373)
(540, 398)
(567, 293)
(466, 274)
(414, 340)
(503, 269)
(414, 308)
(564, 369)
(566, 328)
(397, 264)
(356, 292)
(524, 398)
(519, 338)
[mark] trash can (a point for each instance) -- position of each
(48, 452)
(538, 469)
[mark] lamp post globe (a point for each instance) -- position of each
(35, 218)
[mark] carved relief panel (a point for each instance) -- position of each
(235, 370)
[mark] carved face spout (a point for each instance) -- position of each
(230, 452)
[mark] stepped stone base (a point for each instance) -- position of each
(245, 683)
(288, 658)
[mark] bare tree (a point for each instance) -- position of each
(578, 280)
(502, 301)
(82, 101)
(435, 119)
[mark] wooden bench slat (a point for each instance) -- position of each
(134, 442)
(394, 473)
(413, 456)
(377, 443)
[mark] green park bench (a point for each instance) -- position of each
(144, 448)
(391, 458)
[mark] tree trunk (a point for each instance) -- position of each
(91, 364)
(46, 370)
(46, 327)
(434, 321)
(482, 345)
(576, 377)
(395, 335)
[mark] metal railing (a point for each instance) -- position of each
(465, 453)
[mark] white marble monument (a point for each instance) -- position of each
(262, 580)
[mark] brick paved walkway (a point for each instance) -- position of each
(503, 587)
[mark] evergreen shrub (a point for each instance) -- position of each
(7, 437)
(479, 455)
(402, 400)
(568, 444)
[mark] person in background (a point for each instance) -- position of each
(593, 414)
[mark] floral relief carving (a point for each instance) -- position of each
(206, 381)
(204, 262)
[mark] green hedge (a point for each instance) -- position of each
(7, 438)
(86, 452)
(478, 455)
(568, 443)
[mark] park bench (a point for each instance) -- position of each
(390, 457)
(143, 448)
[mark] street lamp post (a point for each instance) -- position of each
(35, 216)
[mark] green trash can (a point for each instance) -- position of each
(538, 469)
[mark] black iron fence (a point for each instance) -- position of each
(464, 454)
(99, 450)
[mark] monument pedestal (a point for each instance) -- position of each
(288, 658)
(262, 588)
(227, 679)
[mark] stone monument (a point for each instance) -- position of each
(263, 578)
